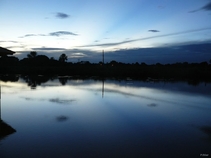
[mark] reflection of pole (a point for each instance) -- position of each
(102, 88)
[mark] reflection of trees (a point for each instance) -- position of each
(5, 129)
(11, 78)
(34, 80)
(63, 80)
(193, 82)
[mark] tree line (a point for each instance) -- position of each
(41, 64)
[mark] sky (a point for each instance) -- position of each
(147, 31)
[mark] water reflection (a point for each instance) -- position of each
(5, 129)
(63, 80)
(152, 105)
(107, 118)
(207, 131)
(62, 118)
(61, 101)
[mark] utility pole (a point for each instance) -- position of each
(103, 57)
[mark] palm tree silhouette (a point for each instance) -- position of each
(32, 54)
(63, 58)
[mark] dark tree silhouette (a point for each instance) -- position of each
(32, 54)
(63, 58)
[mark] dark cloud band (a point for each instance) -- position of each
(57, 34)
(146, 38)
(207, 7)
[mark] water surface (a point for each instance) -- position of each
(110, 118)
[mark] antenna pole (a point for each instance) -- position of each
(103, 57)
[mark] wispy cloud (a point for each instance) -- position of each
(62, 15)
(57, 34)
(4, 41)
(146, 38)
(48, 49)
(77, 55)
(207, 7)
(31, 35)
(153, 31)
(61, 33)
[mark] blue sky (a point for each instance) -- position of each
(83, 28)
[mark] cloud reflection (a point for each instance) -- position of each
(152, 105)
(61, 101)
(62, 118)
(54, 100)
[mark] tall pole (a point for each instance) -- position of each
(103, 57)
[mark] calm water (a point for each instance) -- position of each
(92, 118)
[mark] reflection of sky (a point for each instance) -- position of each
(88, 94)
(75, 116)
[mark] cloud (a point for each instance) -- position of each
(62, 15)
(62, 33)
(146, 38)
(207, 7)
(153, 31)
(32, 35)
(18, 47)
(8, 41)
(57, 34)
(48, 49)
(77, 55)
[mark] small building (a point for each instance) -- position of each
(5, 52)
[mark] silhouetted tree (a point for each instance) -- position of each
(32, 54)
(8, 61)
(41, 60)
(113, 62)
(63, 58)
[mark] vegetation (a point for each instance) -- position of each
(32, 54)
(40, 64)
(63, 58)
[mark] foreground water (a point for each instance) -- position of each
(93, 118)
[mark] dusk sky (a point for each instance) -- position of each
(127, 30)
